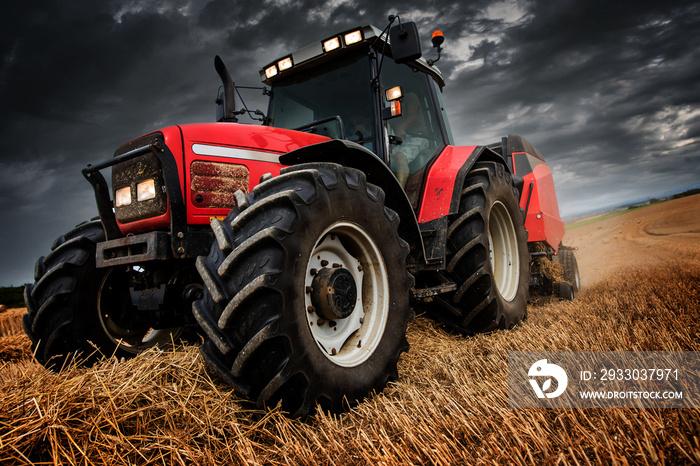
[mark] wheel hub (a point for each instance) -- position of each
(346, 294)
(334, 293)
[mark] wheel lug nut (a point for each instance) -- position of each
(313, 271)
(324, 263)
(311, 309)
(309, 289)
(320, 322)
(334, 351)
(336, 265)
(332, 323)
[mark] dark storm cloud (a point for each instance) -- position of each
(76, 82)
(607, 90)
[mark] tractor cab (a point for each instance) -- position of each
(356, 86)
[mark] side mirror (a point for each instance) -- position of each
(405, 42)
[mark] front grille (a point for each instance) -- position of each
(213, 184)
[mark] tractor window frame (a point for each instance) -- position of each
(355, 109)
(444, 122)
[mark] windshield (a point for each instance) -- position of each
(340, 91)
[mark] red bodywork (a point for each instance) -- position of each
(543, 222)
(219, 158)
(440, 185)
(257, 148)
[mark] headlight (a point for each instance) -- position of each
(353, 37)
(122, 196)
(331, 44)
(146, 190)
(285, 64)
(271, 71)
(395, 93)
(139, 184)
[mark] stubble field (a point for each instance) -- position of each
(641, 278)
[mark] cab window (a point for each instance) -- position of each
(415, 136)
(342, 91)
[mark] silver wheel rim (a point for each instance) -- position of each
(352, 340)
(503, 252)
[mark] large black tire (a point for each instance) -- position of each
(487, 255)
(274, 334)
(70, 306)
(66, 283)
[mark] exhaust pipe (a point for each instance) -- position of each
(229, 100)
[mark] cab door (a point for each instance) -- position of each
(416, 137)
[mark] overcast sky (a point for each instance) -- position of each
(608, 90)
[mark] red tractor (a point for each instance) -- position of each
(300, 246)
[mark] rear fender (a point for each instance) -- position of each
(441, 193)
(352, 155)
(443, 184)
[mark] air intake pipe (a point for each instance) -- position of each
(229, 100)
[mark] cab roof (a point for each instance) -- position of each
(332, 48)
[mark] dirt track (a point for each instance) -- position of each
(641, 237)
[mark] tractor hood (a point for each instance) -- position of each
(202, 166)
(205, 138)
(221, 158)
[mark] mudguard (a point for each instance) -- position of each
(445, 178)
(353, 155)
(441, 193)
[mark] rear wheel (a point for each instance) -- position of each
(567, 259)
(306, 291)
(487, 255)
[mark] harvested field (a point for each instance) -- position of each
(642, 292)
(643, 237)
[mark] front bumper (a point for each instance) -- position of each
(134, 249)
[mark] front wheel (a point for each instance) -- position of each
(306, 292)
(487, 255)
(76, 311)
